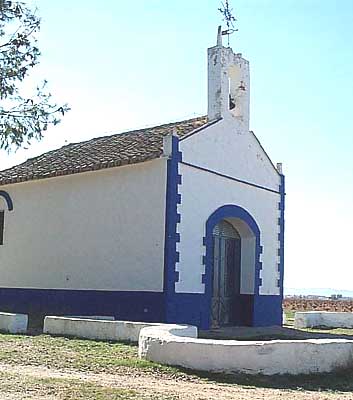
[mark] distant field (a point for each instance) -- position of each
(297, 304)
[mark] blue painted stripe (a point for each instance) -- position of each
(7, 198)
(134, 306)
(230, 177)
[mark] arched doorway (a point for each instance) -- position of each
(246, 287)
(225, 274)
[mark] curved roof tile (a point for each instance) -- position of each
(103, 152)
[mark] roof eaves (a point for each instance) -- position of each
(78, 170)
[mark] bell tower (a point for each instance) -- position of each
(228, 84)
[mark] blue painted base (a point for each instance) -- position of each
(133, 306)
(250, 310)
(187, 308)
(267, 310)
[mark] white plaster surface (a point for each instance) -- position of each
(196, 209)
(101, 230)
(94, 329)
(178, 345)
(13, 323)
(228, 74)
(225, 148)
(325, 319)
(99, 317)
(222, 148)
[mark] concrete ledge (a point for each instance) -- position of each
(99, 317)
(94, 329)
(323, 319)
(178, 345)
(13, 323)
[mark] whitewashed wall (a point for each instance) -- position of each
(224, 147)
(100, 230)
(220, 148)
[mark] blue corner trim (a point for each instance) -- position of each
(228, 211)
(7, 198)
(172, 237)
(281, 234)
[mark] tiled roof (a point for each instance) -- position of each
(103, 152)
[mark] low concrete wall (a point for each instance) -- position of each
(99, 317)
(178, 345)
(94, 329)
(13, 323)
(325, 319)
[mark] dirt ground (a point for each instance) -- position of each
(45, 367)
(149, 386)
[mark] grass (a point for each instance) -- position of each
(83, 356)
(77, 354)
(60, 388)
(88, 356)
(329, 331)
(290, 316)
(66, 389)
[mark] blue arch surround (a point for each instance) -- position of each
(7, 198)
(256, 309)
(246, 302)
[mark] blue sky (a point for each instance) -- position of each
(122, 65)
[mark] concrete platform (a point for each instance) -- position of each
(261, 350)
(266, 333)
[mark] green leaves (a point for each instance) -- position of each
(22, 119)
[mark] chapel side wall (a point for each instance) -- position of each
(225, 149)
(100, 230)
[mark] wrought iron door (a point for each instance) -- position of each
(226, 273)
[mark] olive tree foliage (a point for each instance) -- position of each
(22, 118)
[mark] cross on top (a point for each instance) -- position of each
(229, 18)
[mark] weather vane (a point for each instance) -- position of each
(229, 18)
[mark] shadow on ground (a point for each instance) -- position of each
(340, 381)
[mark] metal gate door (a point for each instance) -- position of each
(226, 273)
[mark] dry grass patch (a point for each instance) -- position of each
(19, 386)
